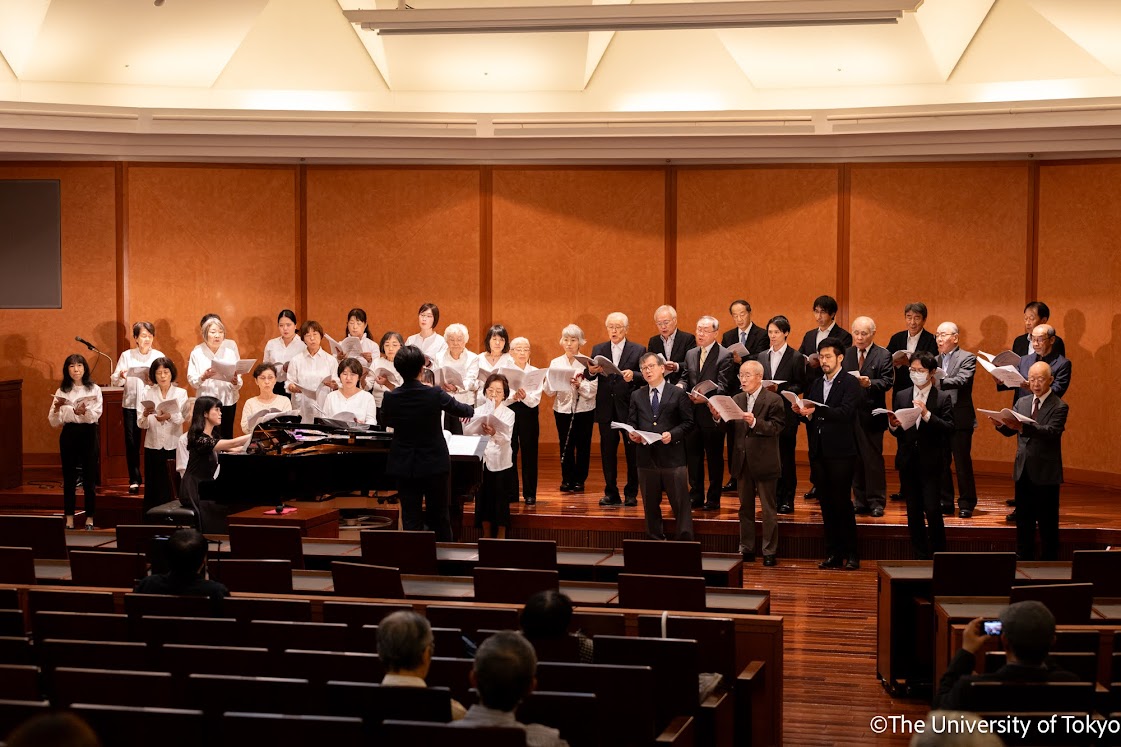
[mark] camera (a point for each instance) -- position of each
(992, 627)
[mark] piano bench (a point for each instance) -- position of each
(172, 512)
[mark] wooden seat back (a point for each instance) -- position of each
(1082, 664)
(674, 661)
(255, 542)
(472, 619)
(575, 715)
(715, 637)
(170, 605)
(183, 659)
(130, 655)
(16, 649)
(114, 687)
(1052, 697)
(217, 693)
(201, 631)
(19, 682)
(15, 712)
(114, 569)
(562, 648)
(318, 667)
(518, 553)
(419, 732)
(1071, 604)
(361, 580)
(412, 552)
(91, 626)
(283, 728)
(261, 576)
(513, 585)
(375, 703)
(135, 727)
(973, 574)
(454, 674)
(277, 635)
(245, 609)
(1102, 568)
(17, 565)
(11, 622)
(685, 593)
(657, 558)
(45, 535)
(40, 599)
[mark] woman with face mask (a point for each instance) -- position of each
(132, 374)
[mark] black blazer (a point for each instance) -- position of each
(809, 341)
(898, 341)
(720, 368)
(682, 343)
(757, 340)
(1039, 449)
(792, 371)
(613, 395)
(926, 444)
(833, 425)
(878, 368)
(675, 414)
(413, 410)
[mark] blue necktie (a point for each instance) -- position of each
(743, 338)
(654, 403)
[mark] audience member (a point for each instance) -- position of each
(936, 731)
(405, 648)
(53, 730)
(186, 562)
(547, 615)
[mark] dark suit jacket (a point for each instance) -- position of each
(413, 410)
(898, 342)
(878, 368)
(613, 396)
(1039, 448)
(757, 340)
(682, 343)
(952, 691)
(1060, 369)
(809, 341)
(792, 371)
(757, 448)
(720, 368)
(833, 424)
(926, 444)
(675, 414)
(1021, 346)
(958, 383)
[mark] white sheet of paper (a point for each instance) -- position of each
(449, 375)
(739, 349)
(228, 370)
(1005, 358)
(854, 374)
(138, 372)
(1006, 375)
(726, 408)
(648, 437)
(560, 379)
(773, 382)
(908, 416)
(797, 401)
(899, 357)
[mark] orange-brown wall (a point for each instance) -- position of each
(538, 247)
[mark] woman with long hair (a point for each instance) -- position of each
(357, 342)
(203, 445)
(280, 350)
(76, 408)
(381, 381)
(430, 342)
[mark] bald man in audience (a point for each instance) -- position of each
(1038, 470)
(671, 343)
(871, 365)
(958, 369)
(613, 402)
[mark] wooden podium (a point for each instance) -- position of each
(111, 434)
(11, 433)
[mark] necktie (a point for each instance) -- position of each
(704, 356)
(654, 402)
(860, 366)
(1035, 408)
(750, 402)
(743, 338)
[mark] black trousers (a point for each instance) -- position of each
(837, 513)
(960, 455)
(433, 490)
(527, 435)
(788, 481)
(674, 482)
(577, 445)
(157, 487)
(79, 448)
(815, 465)
(452, 424)
(229, 412)
(609, 454)
(869, 485)
(705, 445)
(134, 437)
(491, 504)
(921, 490)
(1037, 504)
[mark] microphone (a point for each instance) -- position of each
(88, 344)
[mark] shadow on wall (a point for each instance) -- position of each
(994, 336)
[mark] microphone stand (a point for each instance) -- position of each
(98, 361)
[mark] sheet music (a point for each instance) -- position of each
(739, 349)
(797, 401)
(1006, 375)
(702, 389)
(726, 408)
(648, 437)
(908, 416)
(229, 370)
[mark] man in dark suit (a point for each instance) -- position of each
(921, 455)
(613, 402)
(913, 339)
(755, 459)
(418, 454)
(670, 342)
(825, 314)
(1035, 314)
(752, 337)
(783, 363)
(1043, 349)
(662, 408)
(1027, 632)
(958, 369)
(709, 361)
(1038, 470)
(876, 376)
(833, 448)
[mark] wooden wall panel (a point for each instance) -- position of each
(572, 245)
(211, 239)
(35, 342)
(954, 237)
(1079, 277)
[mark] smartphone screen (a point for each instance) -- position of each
(992, 627)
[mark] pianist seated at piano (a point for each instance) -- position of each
(265, 376)
(349, 400)
(312, 373)
(203, 445)
(418, 455)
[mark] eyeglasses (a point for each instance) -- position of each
(650, 367)
(745, 376)
(943, 335)
(615, 327)
(1038, 379)
(1036, 338)
(661, 322)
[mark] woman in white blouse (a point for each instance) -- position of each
(574, 411)
(430, 342)
(492, 504)
(163, 425)
(358, 329)
(349, 398)
(495, 355)
(527, 424)
(140, 357)
(383, 381)
(201, 374)
(280, 350)
(268, 399)
(76, 408)
(466, 364)
(312, 373)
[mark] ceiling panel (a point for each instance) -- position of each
(20, 21)
(1095, 25)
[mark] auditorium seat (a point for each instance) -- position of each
(215, 693)
(17, 565)
(318, 667)
(512, 584)
(655, 558)
(45, 535)
(253, 542)
(575, 715)
(561, 648)
(360, 580)
(417, 732)
(412, 552)
(203, 631)
(277, 729)
(11, 623)
(1083, 664)
(138, 538)
(114, 569)
(15, 712)
(91, 626)
(674, 662)
(16, 649)
(356, 615)
(244, 609)
(113, 687)
(135, 727)
(973, 574)
(170, 605)
(1071, 604)
(260, 576)
(472, 619)
(630, 725)
(131, 655)
(277, 635)
(183, 659)
(19, 682)
(599, 623)
(1102, 568)
(448, 641)
(538, 555)
(454, 674)
(679, 593)
(40, 599)
(1028, 697)
(374, 703)
(715, 637)
(9, 599)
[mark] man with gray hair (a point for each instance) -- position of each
(505, 672)
(709, 361)
(671, 343)
(871, 365)
(958, 369)
(613, 403)
(1027, 630)
(405, 646)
